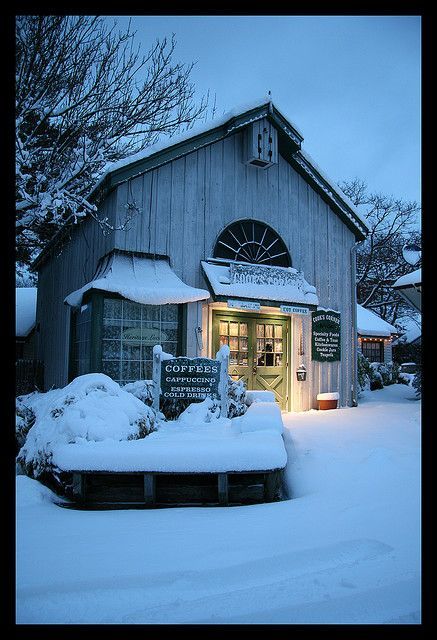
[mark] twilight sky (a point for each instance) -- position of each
(351, 84)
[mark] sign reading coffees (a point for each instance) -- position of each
(185, 378)
(326, 336)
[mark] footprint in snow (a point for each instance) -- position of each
(348, 585)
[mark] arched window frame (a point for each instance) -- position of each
(252, 241)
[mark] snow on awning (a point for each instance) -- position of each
(369, 324)
(409, 287)
(259, 282)
(413, 279)
(140, 279)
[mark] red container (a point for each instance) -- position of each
(328, 400)
(328, 404)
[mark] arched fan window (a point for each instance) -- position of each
(251, 241)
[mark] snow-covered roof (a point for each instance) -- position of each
(140, 279)
(302, 157)
(25, 310)
(293, 288)
(369, 324)
(197, 130)
(409, 279)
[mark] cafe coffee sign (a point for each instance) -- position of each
(326, 336)
(185, 378)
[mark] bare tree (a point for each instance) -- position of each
(86, 97)
(380, 259)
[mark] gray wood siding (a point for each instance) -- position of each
(184, 205)
(69, 268)
(189, 201)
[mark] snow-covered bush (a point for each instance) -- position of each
(92, 407)
(24, 419)
(364, 374)
(237, 398)
(417, 382)
(141, 389)
(376, 380)
(197, 412)
(405, 378)
(388, 370)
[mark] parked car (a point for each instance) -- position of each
(408, 367)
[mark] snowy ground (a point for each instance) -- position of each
(345, 549)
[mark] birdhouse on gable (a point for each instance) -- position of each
(261, 144)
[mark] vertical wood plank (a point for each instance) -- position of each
(149, 488)
(222, 480)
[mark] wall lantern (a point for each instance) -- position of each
(301, 373)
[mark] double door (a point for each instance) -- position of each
(258, 350)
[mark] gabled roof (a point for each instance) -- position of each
(289, 140)
(369, 324)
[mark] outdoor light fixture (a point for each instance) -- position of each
(301, 373)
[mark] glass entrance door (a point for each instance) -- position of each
(258, 347)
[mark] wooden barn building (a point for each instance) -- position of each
(236, 237)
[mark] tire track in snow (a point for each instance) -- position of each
(240, 588)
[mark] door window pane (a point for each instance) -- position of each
(243, 344)
(269, 331)
(260, 330)
(278, 345)
(223, 328)
(278, 331)
(243, 328)
(233, 344)
(233, 328)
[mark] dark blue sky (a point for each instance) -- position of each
(351, 84)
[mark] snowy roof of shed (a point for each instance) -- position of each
(292, 288)
(25, 310)
(140, 279)
(369, 324)
(409, 279)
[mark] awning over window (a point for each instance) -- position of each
(140, 279)
(409, 287)
(280, 285)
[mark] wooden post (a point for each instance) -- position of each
(157, 352)
(149, 488)
(77, 485)
(222, 480)
(223, 357)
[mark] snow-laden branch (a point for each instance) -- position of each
(85, 98)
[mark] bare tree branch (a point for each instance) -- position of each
(86, 97)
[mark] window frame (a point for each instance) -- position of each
(372, 343)
(97, 298)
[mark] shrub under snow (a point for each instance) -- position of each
(92, 407)
(141, 389)
(237, 398)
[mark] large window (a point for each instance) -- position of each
(129, 332)
(373, 350)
